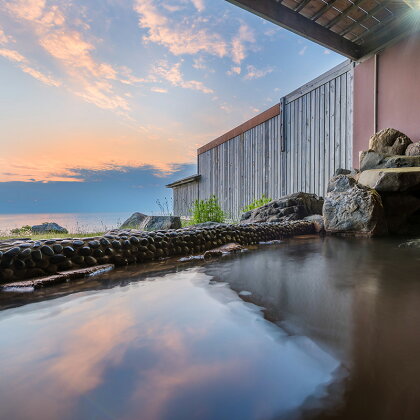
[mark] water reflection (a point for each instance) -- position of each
(185, 345)
(168, 348)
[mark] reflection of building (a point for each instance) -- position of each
(297, 144)
(302, 286)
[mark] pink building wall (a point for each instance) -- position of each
(398, 93)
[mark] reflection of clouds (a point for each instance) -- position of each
(175, 375)
(89, 350)
(161, 348)
(66, 360)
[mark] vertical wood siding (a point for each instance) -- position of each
(184, 197)
(315, 141)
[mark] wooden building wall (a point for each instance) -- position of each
(184, 197)
(296, 150)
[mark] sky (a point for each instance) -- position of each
(103, 102)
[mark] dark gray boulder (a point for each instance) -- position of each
(373, 160)
(353, 209)
(134, 221)
(48, 227)
(160, 223)
(413, 149)
(290, 207)
(389, 141)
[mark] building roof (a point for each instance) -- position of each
(183, 181)
(353, 28)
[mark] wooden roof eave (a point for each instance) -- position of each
(289, 19)
(187, 180)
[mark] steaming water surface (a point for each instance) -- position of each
(308, 328)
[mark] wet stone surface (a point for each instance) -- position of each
(27, 259)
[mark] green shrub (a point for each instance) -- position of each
(207, 211)
(257, 203)
(23, 231)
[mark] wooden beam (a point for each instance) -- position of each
(369, 14)
(344, 13)
(323, 9)
(295, 22)
(300, 6)
(391, 33)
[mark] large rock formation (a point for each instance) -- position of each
(389, 142)
(391, 179)
(290, 207)
(393, 169)
(351, 208)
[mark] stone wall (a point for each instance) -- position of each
(27, 259)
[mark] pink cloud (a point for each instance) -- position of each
(88, 77)
(173, 75)
(12, 55)
(27, 9)
(185, 37)
(24, 65)
(239, 43)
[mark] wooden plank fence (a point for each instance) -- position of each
(296, 149)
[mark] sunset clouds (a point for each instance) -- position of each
(102, 85)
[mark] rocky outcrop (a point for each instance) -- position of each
(374, 160)
(413, 149)
(48, 227)
(142, 222)
(389, 142)
(160, 223)
(353, 209)
(391, 179)
(290, 207)
(134, 221)
(30, 259)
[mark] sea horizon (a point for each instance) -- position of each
(82, 222)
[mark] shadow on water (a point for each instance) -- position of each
(340, 338)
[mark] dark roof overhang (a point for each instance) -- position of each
(353, 28)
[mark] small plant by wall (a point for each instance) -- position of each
(257, 203)
(207, 211)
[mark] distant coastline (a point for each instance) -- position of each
(73, 222)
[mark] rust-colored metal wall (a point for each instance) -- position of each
(398, 100)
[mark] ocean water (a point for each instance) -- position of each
(73, 222)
